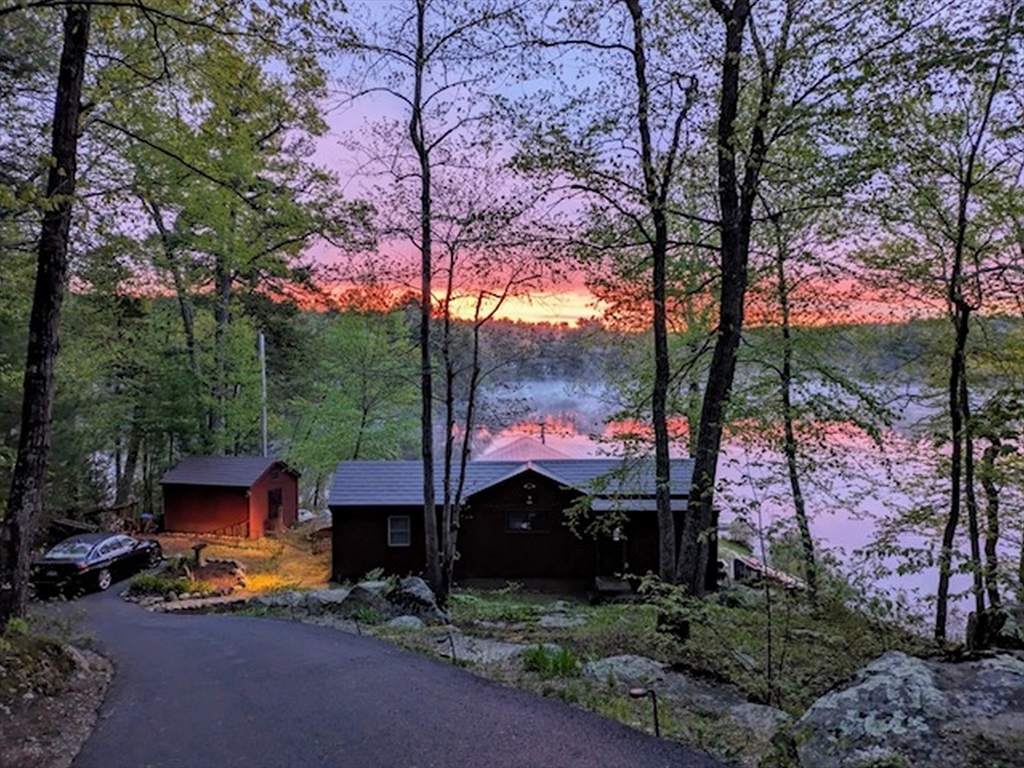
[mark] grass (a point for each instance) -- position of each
(787, 660)
(271, 565)
(551, 662)
(473, 606)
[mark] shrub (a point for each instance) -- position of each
(364, 614)
(551, 662)
(160, 584)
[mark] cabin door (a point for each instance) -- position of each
(611, 554)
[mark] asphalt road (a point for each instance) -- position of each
(221, 690)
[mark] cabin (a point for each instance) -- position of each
(513, 523)
(244, 496)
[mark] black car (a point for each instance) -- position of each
(92, 561)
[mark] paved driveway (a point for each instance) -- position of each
(220, 690)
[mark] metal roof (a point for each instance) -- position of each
(400, 483)
(222, 471)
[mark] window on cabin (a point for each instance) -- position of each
(399, 531)
(527, 521)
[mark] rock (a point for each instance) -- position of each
(407, 622)
(759, 723)
(325, 600)
(366, 596)
(627, 669)
(486, 624)
(413, 596)
(80, 659)
(560, 621)
(1011, 635)
(279, 600)
(901, 710)
(698, 695)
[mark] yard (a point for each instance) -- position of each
(271, 564)
(767, 646)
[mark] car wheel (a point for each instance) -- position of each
(103, 580)
(154, 558)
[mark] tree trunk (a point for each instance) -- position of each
(987, 476)
(447, 546)
(698, 543)
(656, 194)
(126, 481)
(971, 501)
(789, 436)
(416, 132)
(218, 437)
(25, 501)
(955, 474)
(959, 407)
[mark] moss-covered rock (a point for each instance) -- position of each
(905, 711)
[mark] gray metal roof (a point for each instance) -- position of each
(222, 471)
(400, 483)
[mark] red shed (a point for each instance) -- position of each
(245, 496)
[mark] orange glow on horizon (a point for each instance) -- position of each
(571, 306)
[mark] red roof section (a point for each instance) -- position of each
(524, 449)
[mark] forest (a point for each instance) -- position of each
(791, 214)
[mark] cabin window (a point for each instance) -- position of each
(526, 521)
(399, 531)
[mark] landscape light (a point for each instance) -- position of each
(639, 693)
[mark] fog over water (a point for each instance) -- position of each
(853, 487)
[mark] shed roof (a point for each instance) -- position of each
(221, 471)
(400, 483)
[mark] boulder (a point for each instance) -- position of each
(1011, 634)
(413, 596)
(322, 601)
(692, 693)
(367, 596)
(407, 622)
(905, 711)
(760, 724)
(279, 600)
(626, 669)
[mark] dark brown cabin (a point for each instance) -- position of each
(513, 522)
(245, 496)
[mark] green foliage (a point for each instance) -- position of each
(364, 614)
(551, 662)
(163, 584)
(361, 402)
(470, 607)
(16, 627)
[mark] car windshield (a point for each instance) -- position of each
(69, 550)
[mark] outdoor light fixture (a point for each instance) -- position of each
(447, 638)
(639, 693)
